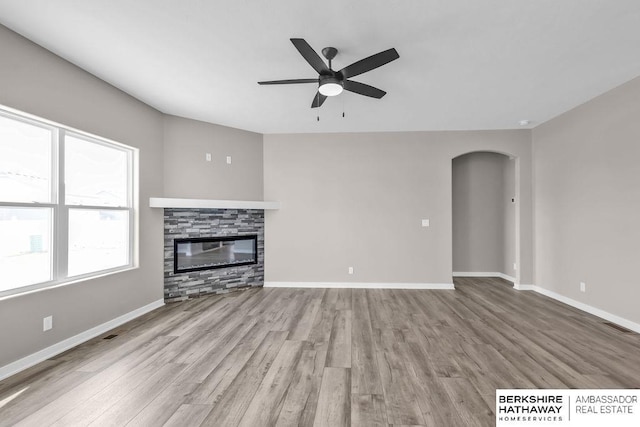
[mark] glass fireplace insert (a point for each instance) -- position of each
(205, 253)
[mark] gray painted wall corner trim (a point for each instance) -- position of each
(64, 345)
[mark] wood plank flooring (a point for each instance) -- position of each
(325, 357)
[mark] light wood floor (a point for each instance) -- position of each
(326, 358)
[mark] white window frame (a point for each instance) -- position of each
(60, 211)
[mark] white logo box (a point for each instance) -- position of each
(568, 407)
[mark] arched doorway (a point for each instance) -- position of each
(484, 215)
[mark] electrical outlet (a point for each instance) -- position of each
(228, 160)
(515, 266)
(583, 287)
(350, 270)
(208, 157)
(425, 222)
(47, 323)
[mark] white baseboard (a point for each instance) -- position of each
(523, 287)
(483, 274)
(585, 307)
(46, 353)
(358, 285)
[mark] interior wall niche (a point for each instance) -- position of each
(202, 223)
(483, 207)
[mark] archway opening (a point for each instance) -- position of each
(484, 215)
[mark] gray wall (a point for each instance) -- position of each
(587, 199)
(358, 199)
(35, 81)
(483, 215)
(187, 174)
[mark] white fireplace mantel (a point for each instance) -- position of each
(162, 202)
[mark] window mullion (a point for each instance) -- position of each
(62, 216)
(55, 190)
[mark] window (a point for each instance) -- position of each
(66, 204)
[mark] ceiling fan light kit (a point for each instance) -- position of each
(332, 83)
(330, 86)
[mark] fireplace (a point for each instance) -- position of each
(207, 253)
(193, 224)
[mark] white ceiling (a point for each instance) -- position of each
(464, 64)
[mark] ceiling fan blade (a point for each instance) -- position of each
(363, 89)
(288, 82)
(310, 55)
(318, 100)
(368, 64)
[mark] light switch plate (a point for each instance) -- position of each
(208, 157)
(425, 222)
(228, 160)
(47, 323)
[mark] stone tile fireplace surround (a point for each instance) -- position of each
(204, 222)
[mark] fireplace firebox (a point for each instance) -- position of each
(206, 253)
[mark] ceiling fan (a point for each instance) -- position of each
(330, 82)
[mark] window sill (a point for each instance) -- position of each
(28, 290)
